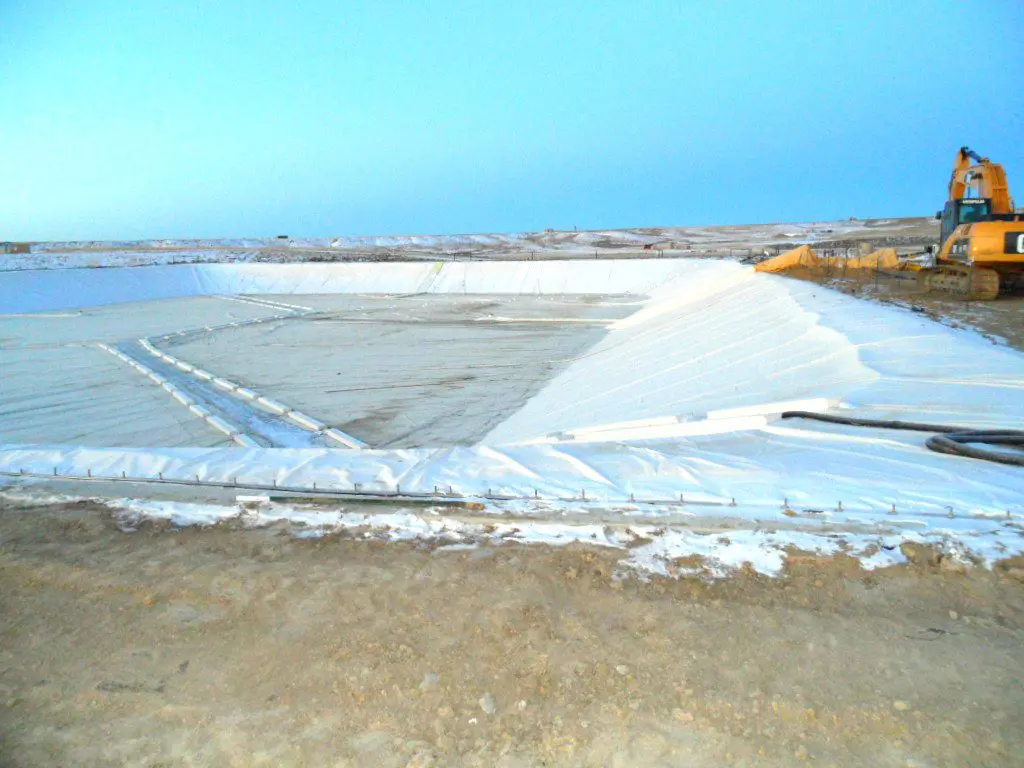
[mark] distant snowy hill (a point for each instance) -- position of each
(724, 241)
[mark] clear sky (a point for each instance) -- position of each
(147, 118)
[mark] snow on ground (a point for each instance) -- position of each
(720, 240)
(679, 399)
(648, 549)
(94, 259)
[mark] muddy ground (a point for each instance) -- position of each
(225, 647)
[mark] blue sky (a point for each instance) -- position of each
(221, 119)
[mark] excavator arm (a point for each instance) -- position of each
(978, 177)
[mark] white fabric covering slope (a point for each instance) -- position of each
(737, 338)
(48, 290)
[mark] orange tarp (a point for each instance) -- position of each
(804, 256)
(884, 258)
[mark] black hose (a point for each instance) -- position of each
(952, 440)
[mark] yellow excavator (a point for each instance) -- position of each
(981, 245)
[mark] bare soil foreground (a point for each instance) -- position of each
(235, 648)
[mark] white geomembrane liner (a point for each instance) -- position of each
(680, 397)
(49, 290)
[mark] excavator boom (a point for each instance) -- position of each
(981, 179)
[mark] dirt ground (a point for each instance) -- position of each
(226, 647)
(1001, 320)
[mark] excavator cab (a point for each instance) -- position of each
(966, 211)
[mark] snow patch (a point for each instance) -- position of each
(649, 550)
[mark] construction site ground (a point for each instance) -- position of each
(737, 624)
(233, 647)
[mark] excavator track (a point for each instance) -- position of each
(970, 283)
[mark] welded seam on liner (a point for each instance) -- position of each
(218, 423)
(267, 303)
(245, 393)
(250, 396)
